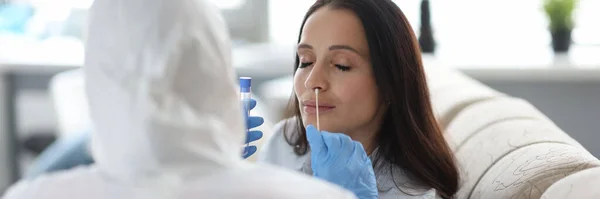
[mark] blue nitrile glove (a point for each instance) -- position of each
(335, 157)
(251, 122)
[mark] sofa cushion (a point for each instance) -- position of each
(498, 131)
(478, 116)
(581, 185)
(495, 143)
(527, 172)
(451, 91)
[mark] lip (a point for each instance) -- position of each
(310, 107)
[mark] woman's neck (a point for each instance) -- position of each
(366, 139)
(367, 134)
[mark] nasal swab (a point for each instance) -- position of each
(317, 106)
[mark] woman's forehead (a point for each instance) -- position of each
(329, 27)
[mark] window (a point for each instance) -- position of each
(285, 18)
(246, 19)
(229, 4)
(468, 24)
(497, 23)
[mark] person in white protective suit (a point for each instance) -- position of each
(167, 117)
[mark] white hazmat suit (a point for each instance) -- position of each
(166, 112)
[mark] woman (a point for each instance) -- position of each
(363, 58)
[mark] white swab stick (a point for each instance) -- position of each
(318, 121)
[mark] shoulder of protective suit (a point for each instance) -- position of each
(277, 182)
(19, 190)
(53, 185)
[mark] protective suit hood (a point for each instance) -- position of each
(162, 92)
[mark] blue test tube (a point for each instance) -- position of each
(245, 89)
(245, 85)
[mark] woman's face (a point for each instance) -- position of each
(334, 57)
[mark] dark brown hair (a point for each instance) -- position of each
(409, 137)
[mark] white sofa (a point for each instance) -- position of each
(505, 147)
(581, 185)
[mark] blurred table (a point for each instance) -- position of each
(521, 63)
(28, 64)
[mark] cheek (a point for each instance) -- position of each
(299, 79)
(360, 96)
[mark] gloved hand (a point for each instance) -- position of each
(251, 122)
(335, 157)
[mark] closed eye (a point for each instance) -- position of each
(342, 67)
(305, 64)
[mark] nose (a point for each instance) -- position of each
(317, 78)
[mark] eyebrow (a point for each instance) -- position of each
(305, 46)
(343, 47)
(334, 47)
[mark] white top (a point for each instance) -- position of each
(167, 117)
(277, 151)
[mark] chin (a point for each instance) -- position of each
(306, 120)
(324, 125)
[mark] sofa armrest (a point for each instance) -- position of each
(581, 185)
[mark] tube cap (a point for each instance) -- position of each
(245, 84)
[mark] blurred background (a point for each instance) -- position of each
(519, 47)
